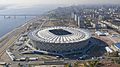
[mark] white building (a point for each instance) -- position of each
(61, 40)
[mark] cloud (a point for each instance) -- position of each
(3, 7)
(28, 3)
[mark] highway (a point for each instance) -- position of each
(8, 40)
(12, 36)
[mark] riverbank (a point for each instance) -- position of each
(10, 38)
(26, 22)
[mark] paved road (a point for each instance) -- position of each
(11, 37)
(9, 40)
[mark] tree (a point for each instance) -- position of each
(114, 54)
(85, 65)
(66, 65)
(92, 63)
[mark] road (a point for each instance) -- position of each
(12, 36)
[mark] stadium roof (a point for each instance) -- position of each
(60, 35)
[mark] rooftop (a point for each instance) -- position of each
(59, 35)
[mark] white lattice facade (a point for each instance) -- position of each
(60, 40)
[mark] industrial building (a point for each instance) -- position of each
(60, 40)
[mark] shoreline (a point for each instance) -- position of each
(26, 22)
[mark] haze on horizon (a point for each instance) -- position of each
(6, 5)
(27, 3)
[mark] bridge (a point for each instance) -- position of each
(20, 14)
(8, 16)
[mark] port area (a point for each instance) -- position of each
(15, 44)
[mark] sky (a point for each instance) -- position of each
(28, 3)
(68, 2)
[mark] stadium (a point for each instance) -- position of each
(60, 40)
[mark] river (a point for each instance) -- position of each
(9, 23)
